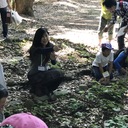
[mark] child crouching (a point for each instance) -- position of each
(103, 64)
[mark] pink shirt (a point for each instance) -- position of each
(3, 3)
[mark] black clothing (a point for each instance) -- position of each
(43, 82)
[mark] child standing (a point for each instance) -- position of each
(3, 11)
(103, 64)
(118, 9)
(104, 20)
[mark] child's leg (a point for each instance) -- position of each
(120, 39)
(96, 72)
(110, 34)
(102, 25)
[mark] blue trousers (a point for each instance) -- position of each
(97, 74)
(3, 12)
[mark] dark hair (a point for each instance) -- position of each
(109, 3)
(7, 126)
(3, 92)
(38, 36)
(37, 41)
(104, 48)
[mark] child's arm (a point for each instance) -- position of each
(46, 50)
(2, 117)
(101, 68)
(110, 67)
(112, 22)
(53, 58)
(104, 79)
(9, 5)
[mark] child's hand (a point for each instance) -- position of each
(52, 56)
(123, 71)
(105, 29)
(104, 80)
(101, 80)
(107, 80)
(56, 48)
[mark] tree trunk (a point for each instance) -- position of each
(25, 7)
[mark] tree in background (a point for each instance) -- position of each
(23, 6)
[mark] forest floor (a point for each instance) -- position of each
(72, 25)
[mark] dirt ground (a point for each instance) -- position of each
(71, 19)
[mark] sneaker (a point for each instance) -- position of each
(2, 39)
(115, 73)
(5, 36)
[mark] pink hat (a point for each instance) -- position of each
(24, 120)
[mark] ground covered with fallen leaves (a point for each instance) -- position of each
(81, 101)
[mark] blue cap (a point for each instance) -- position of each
(106, 45)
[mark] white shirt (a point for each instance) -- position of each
(102, 59)
(3, 3)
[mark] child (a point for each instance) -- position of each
(104, 20)
(43, 79)
(3, 11)
(121, 61)
(23, 120)
(118, 9)
(3, 97)
(103, 64)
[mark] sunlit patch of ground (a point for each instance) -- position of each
(86, 37)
